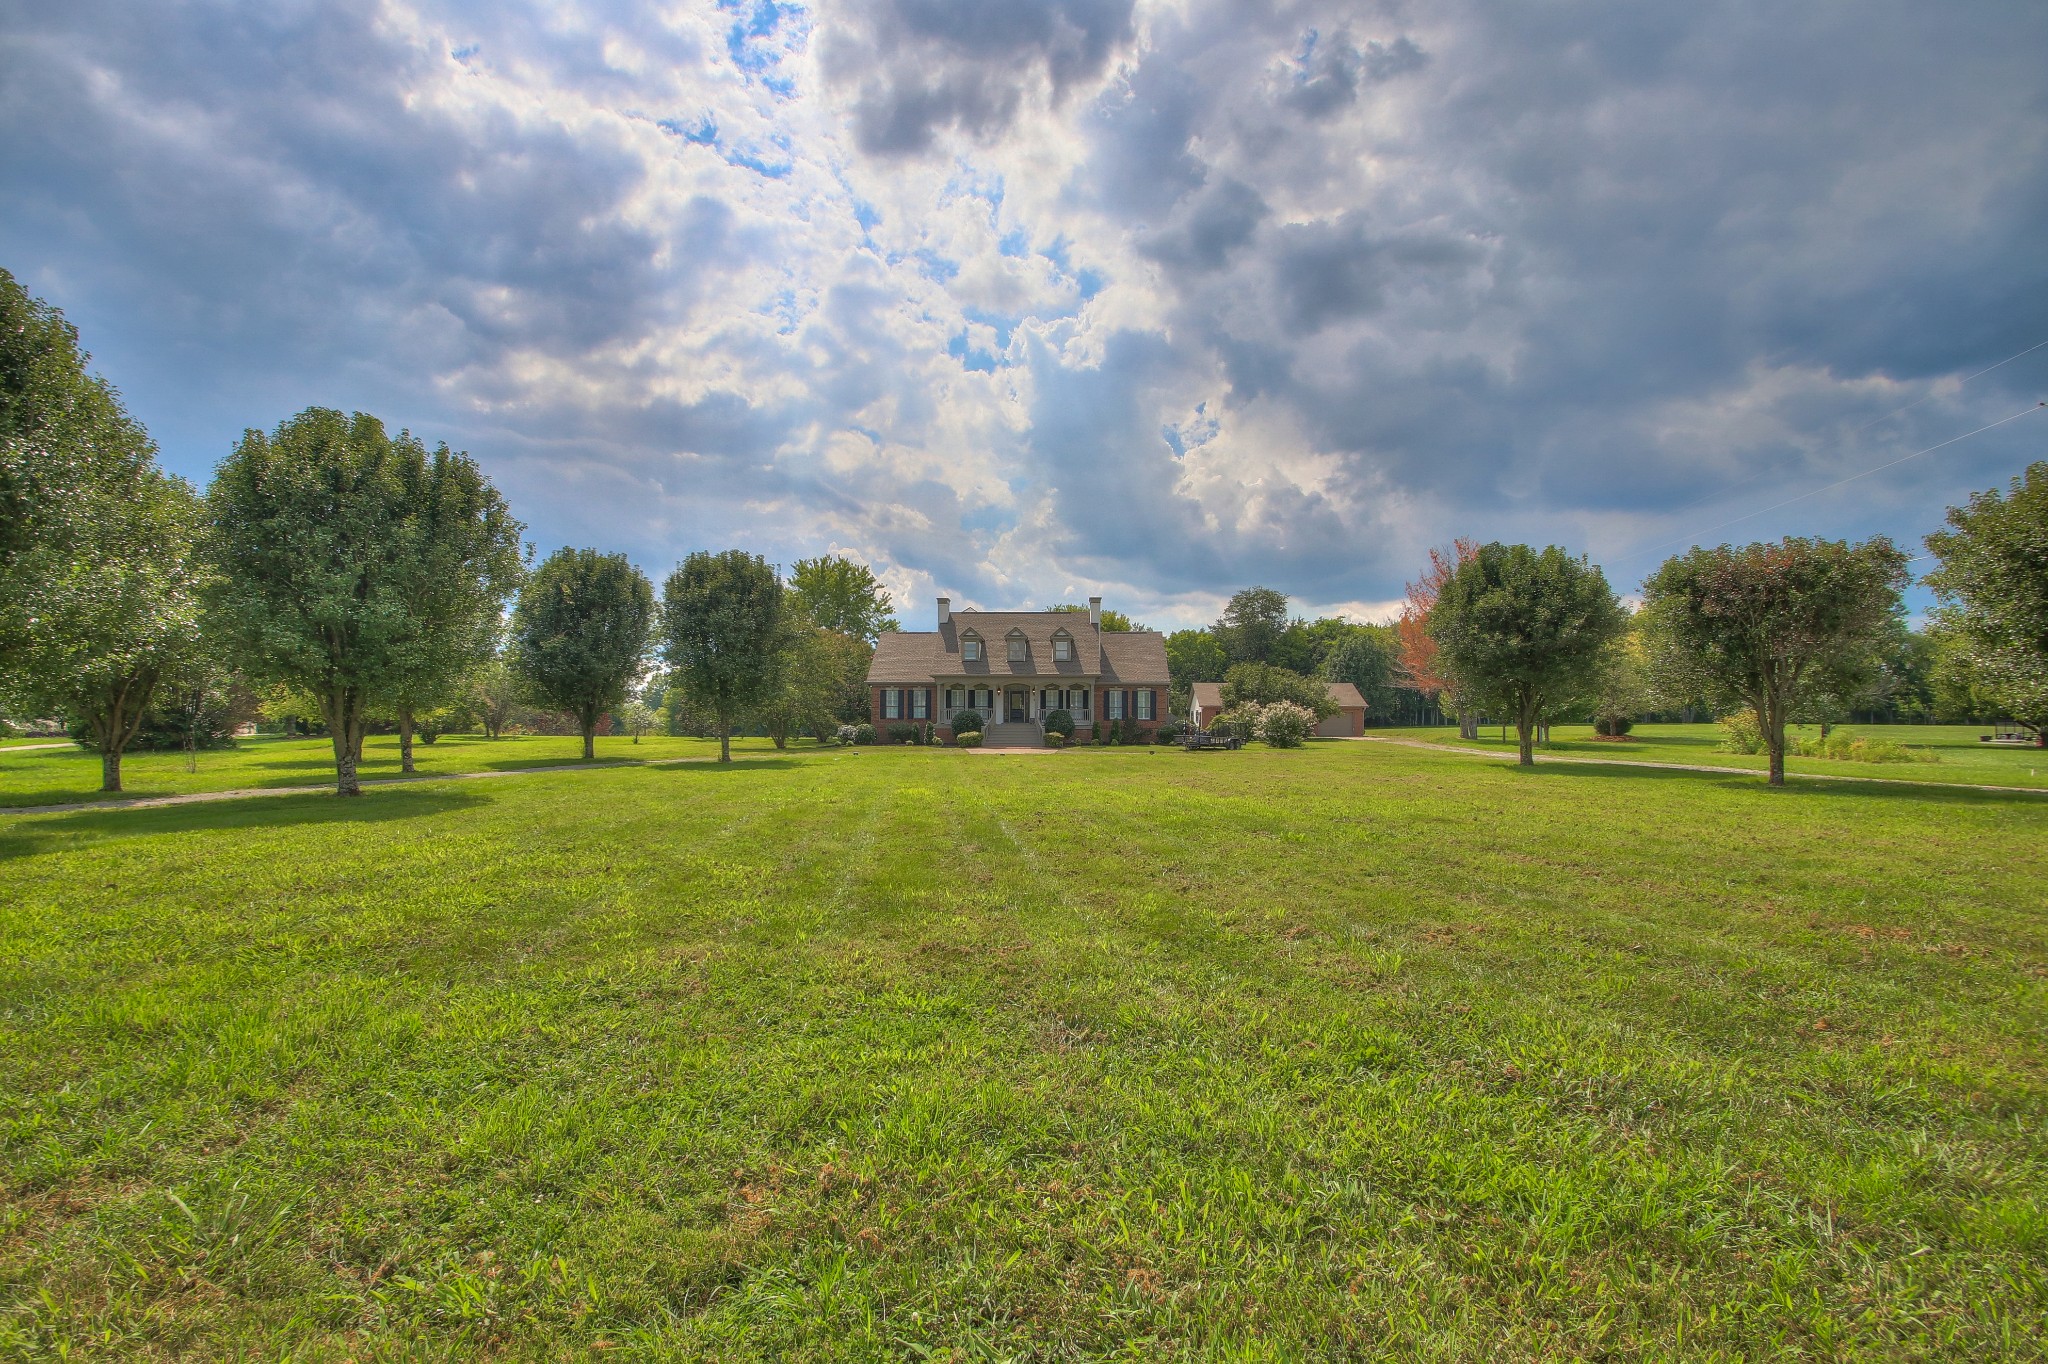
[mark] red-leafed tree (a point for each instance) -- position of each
(1419, 656)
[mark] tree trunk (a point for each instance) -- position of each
(589, 738)
(405, 740)
(724, 742)
(110, 769)
(1468, 724)
(1774, 740)
(345, 781)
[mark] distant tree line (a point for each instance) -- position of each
(340, 578)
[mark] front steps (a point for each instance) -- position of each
(1012, 736)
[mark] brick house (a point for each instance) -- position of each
(1205, 703)
(1013, 668)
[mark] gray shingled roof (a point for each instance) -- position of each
(1209, 695)
(1127, 657)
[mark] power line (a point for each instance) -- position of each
(1875, 421)
(1696, 536)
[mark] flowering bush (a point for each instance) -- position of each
(1284, 724)
(848, 734)
(1742, 732)
(971, 739)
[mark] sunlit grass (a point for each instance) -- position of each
(1959, 755)
(1350, 1051)
(54, 776)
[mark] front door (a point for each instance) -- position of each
(1017, 700)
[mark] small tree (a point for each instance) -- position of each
(840, 595)
(1993, 589)
(492, 694)
(807, 683)
(1755, 626)
(722, 634)
(1365, 657)
(1525, 631)
(579, 635)
(460, 560)
(637, 718)
(1420, 658)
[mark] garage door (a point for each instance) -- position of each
(1342, 725)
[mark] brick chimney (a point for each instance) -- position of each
(1095, 612)
(945, 610)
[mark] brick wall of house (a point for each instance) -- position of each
(940, 715)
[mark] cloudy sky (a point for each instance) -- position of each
(1021, 301)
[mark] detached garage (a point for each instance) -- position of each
(1205, 703)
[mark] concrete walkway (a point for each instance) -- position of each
(327, 788)
(1696, 767)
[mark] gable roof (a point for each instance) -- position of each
(1130, 657)
(1209, 695)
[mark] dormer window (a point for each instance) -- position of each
(1020, 651)
(970, 649)
(1062, 648)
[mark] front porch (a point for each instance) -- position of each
(1012, 704)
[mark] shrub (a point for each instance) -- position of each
(1612, 726)
(903, 734)
(847, 734)
(971, 739)
(1241, 723)
(1844, 748)
(1167, 733)
(1284, 724)
(1741, 733)
(1059, 722)
(864, 733)
(967, 722)
(1116, 732)
(1094, 731)
(1053, 740)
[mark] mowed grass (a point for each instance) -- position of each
(61, 775)
(1958, 753)
(1355, 1051)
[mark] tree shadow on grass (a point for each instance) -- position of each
(703, 766)
(29, 834)
(1740, 778)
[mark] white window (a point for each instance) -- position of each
(970, 649)
(920, 704)
(1019, 651)
(1081, 699)
(1063, 650)
(1116, 705)
(892, 703)
(1144, 699)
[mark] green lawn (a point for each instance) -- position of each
(54, 776)
(1352, 1051)
(1959, 756)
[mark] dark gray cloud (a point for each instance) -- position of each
(919, 67)
(1171, 298)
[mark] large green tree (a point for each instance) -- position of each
(1251, 625)
(1993, 588)
(68, 453)
(461, 559)
(579, 634)
(810, 680)
(1527, 630)
(1761, 625)
(839, 594)
(1367, 656)
(98, 579)
(113, 616)
(1114, 621)
(722, 635)
(311, 533)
